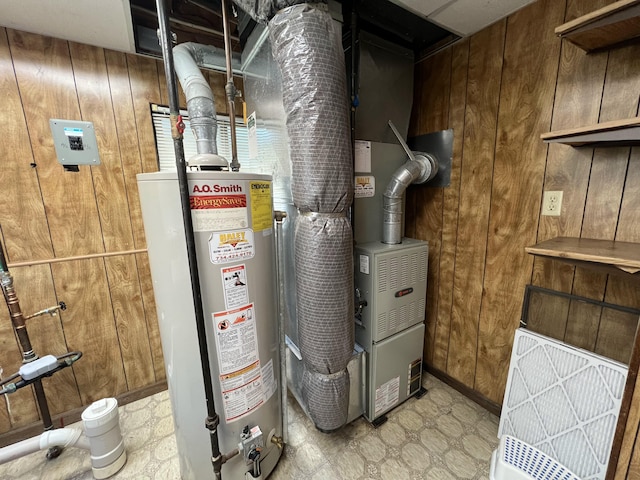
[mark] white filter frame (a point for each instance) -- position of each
(564, 401)
(517, 460)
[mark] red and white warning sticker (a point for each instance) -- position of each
(234, 282)
(238, 361)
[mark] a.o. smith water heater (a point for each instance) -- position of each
(233, 225)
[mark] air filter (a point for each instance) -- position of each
(564, 401)
(516, 460)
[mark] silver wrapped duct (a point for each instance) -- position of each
(264, 10)
(308, 50)
(327, 396)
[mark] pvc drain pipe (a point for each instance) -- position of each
(102, 428)
(102, 438)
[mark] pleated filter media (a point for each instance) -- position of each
(564, 401)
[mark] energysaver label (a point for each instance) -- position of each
(238, 361)
(218, 205)
(261, 207)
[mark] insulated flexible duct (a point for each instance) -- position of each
(308, 51)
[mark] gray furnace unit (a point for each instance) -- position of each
(391, 287)
(392, 280)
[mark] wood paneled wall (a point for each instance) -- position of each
(499, 90)
(47, 213)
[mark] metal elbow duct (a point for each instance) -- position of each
(420, 169)
(200, 104)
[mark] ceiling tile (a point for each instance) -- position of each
(105, 23)
(423, 8)
(466, 17)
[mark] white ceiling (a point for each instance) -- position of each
(104, 23)
(107, 23)
(464, 17)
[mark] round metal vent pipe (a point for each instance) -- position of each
(200, 105)
(419, 169)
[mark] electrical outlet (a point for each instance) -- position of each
(552, 203)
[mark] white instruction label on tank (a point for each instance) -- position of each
(241, 401)
(218, 205)
(252, 133)
(238, 361)
(234, 282)
(365, 186)
(362, 157)
(231, 246)
(364, 264)
(387, 395)
(269, 380)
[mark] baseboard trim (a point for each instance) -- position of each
(470, 393)
(72, 416)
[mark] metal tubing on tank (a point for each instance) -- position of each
(230, 89)
(280, 216)
(212, 420)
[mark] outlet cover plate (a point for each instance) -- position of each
(552, 203)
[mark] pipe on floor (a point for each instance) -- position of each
(62, 437)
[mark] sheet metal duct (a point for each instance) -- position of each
(307, 48)
(385, 89)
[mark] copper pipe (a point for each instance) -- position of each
(17, 318)
(230, 89)
(49, 310)
(77, 257)
(28, 355)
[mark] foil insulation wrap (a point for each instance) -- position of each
(307, 48)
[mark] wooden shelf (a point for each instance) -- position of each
(614, 24)
(604, 255)
(615, 133)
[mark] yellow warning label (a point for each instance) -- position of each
(261, 207)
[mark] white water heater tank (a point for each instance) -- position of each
(232, 216)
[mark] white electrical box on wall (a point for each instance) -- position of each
(75, 143)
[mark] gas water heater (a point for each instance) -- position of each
(233, 224)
